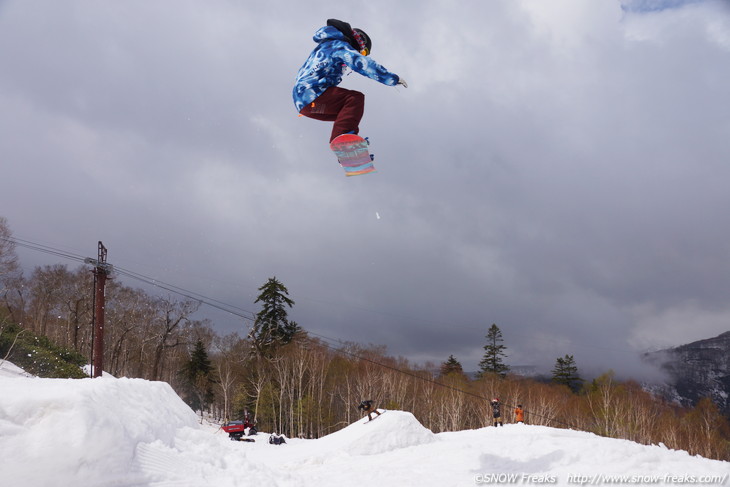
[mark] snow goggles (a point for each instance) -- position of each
(360, 42)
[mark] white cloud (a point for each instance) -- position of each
(675, 325)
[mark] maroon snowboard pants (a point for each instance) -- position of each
(344, 107)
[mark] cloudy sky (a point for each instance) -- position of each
(557, 168)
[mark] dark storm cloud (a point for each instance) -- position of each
(558, 170)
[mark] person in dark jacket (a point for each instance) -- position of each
(275, 439)
(367, 407)
(316, 94)
(496, 412)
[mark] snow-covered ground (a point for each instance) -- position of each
(132, 432)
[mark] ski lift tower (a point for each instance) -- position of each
(102, 272)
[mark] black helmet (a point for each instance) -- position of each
(357, 38)
(364, 43)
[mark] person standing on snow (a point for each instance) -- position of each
(519, 414)
(496, 412)
(316, 94)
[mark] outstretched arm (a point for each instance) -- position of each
(368, 67)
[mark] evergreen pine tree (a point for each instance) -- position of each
(272, 326)
(492, 362)
(197, 380)
(566, 373)
(451, 366)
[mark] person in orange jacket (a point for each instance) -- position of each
(519, 414)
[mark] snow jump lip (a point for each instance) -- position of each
(390, 431)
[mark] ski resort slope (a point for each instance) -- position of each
(132, 432)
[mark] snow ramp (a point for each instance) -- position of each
(78, 428)
(112, 432)
(392, 430)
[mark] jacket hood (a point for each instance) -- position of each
(329, 33)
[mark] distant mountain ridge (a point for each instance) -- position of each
(696, 370)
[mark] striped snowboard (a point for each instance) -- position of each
(352, 152)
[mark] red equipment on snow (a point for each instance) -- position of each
(237, 429)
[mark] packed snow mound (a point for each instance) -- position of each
(390, 431)
(132, 432)
(70, 425)
(10, 370)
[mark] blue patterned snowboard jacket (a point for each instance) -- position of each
(325, 66)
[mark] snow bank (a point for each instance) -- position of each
(390, 431)
(77, 428)
(571, 457)
(89, 371)
(10, 370)
(131, 432)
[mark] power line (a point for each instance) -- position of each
(242, 312)
(214, 303)
(249, 315)
(427, 379)
(43, 248)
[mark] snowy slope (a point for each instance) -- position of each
(132, 432)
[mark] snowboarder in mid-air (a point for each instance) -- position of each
(316, 94)
(367, 407)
